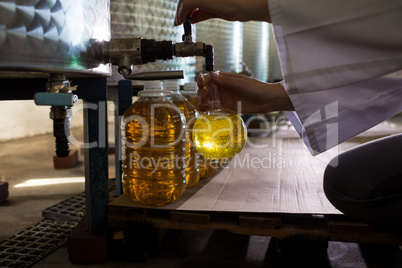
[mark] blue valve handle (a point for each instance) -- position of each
(54, 99)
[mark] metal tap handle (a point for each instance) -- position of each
(187, 36)
(187, 26)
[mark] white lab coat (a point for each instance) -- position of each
(341, 61)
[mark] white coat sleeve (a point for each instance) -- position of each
(341, 62)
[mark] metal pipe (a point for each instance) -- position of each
(154, 75)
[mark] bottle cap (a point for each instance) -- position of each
(154, 89)
(171, 85)
(153, 85)
(192, 86)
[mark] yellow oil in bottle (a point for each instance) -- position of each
(219, 134)
(191, 114)
(153, 147)
(207, 167)
(211, 167)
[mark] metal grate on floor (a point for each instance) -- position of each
(32, 244)
(71, 210)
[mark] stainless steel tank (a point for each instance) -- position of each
(255, 48)
(52, 35)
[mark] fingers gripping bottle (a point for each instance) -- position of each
(153, 147)
(191, 114)
(219, 132)
(208, 167)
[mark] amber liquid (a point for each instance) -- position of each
(192, 156)
(219, 134)
(207, 167)
(194, 100)
(154, 170)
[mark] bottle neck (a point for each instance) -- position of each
(212, 92)
(154, 93)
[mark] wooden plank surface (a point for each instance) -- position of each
(271, 175)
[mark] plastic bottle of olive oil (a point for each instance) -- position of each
(190, 93)
(154, 147)
(208, 167)
(191, 114)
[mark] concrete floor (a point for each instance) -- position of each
(31, 158)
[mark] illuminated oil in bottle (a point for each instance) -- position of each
(191, 114)
(207, 167)
(219, 132)
(153, 147)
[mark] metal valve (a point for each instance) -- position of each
(125, 52)
(60, 97)
(188, 48)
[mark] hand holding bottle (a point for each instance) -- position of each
(249, 95)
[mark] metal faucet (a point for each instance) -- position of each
(125, 52)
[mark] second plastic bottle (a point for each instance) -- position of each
(191, 114)
(208, 167)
